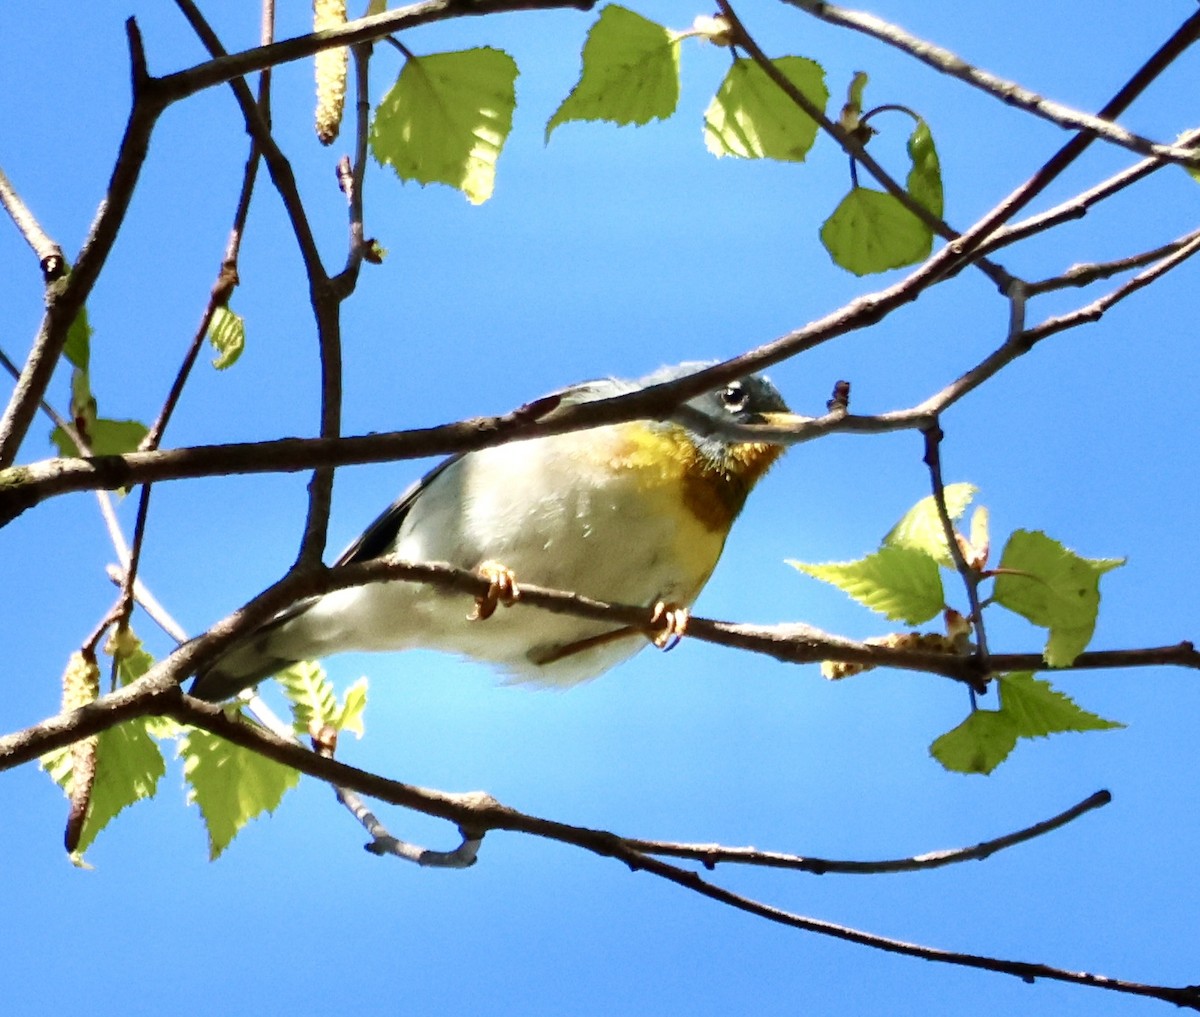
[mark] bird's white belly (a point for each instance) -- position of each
(612, 539)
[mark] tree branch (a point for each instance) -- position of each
(66, 296)
(1008, 92)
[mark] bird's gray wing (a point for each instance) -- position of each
(376, 539)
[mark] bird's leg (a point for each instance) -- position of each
(674, 621)
(502, 589)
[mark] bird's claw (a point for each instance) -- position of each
(502, 589)
(674, 622)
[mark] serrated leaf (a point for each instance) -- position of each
(1053, 587)
(898, 582)
(104, 437)
(1038, 709)
(871, 231)
(446, 120)
(630, 73)
(231, 785)
(751, 117)
(925, 178)
(354, 703)
(920, 528)
(227, 333)
(978, 745)
(1029, 708)
(128, 768)
(133, 661)
(311, 694)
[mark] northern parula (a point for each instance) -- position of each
(633, 513)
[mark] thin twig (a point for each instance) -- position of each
(854, 147)
(480, 812)
(49, 254)
(710, 855)
(65, 297)
(1086, 274)
(970, 578)
(1008, 92)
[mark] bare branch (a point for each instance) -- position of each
(49, 254)
(710, 855)
(66, 296)
(1086, 274)
(225, 69)
(478, 812)
(1008, 92)
(970, 577)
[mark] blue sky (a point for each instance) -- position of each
(612, 252)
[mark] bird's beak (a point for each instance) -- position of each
(783, 424)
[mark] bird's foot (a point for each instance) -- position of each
(674, 622)
(502, 589)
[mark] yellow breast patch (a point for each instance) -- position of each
(713, 482)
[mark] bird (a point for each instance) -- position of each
(635, 513)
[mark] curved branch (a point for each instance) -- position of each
(1008, 92)
(710, 855)
(477, 812)
(49, 254)
(66, 296)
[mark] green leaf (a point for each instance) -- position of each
(231, 785)
(128, 768)
(133, 661)
(871, 231)
(314, 704)
(78, 348)
(447, 118)
(978, 745)
(1038, 709)
(105, 437)
(897, 582)
(921, 527)
(980, 539)
(350, 716)
(925, 177)
(852, 110)
(227, 333)
(751, 117)
(630, 73)
(311, 695)
(1055, 588)
(1029, 708)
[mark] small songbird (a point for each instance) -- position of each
(632, 513)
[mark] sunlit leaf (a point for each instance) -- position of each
(227, 333)
(128, 768)
(921, 526)
(630, 72)
(898, 582)
(231, 785)
(1055, 588)
(1038, 709)
(978, 745)
(751, 117)
(925, 177)
(871, 231)
(447, 118)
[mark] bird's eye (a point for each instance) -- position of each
(734, 397)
